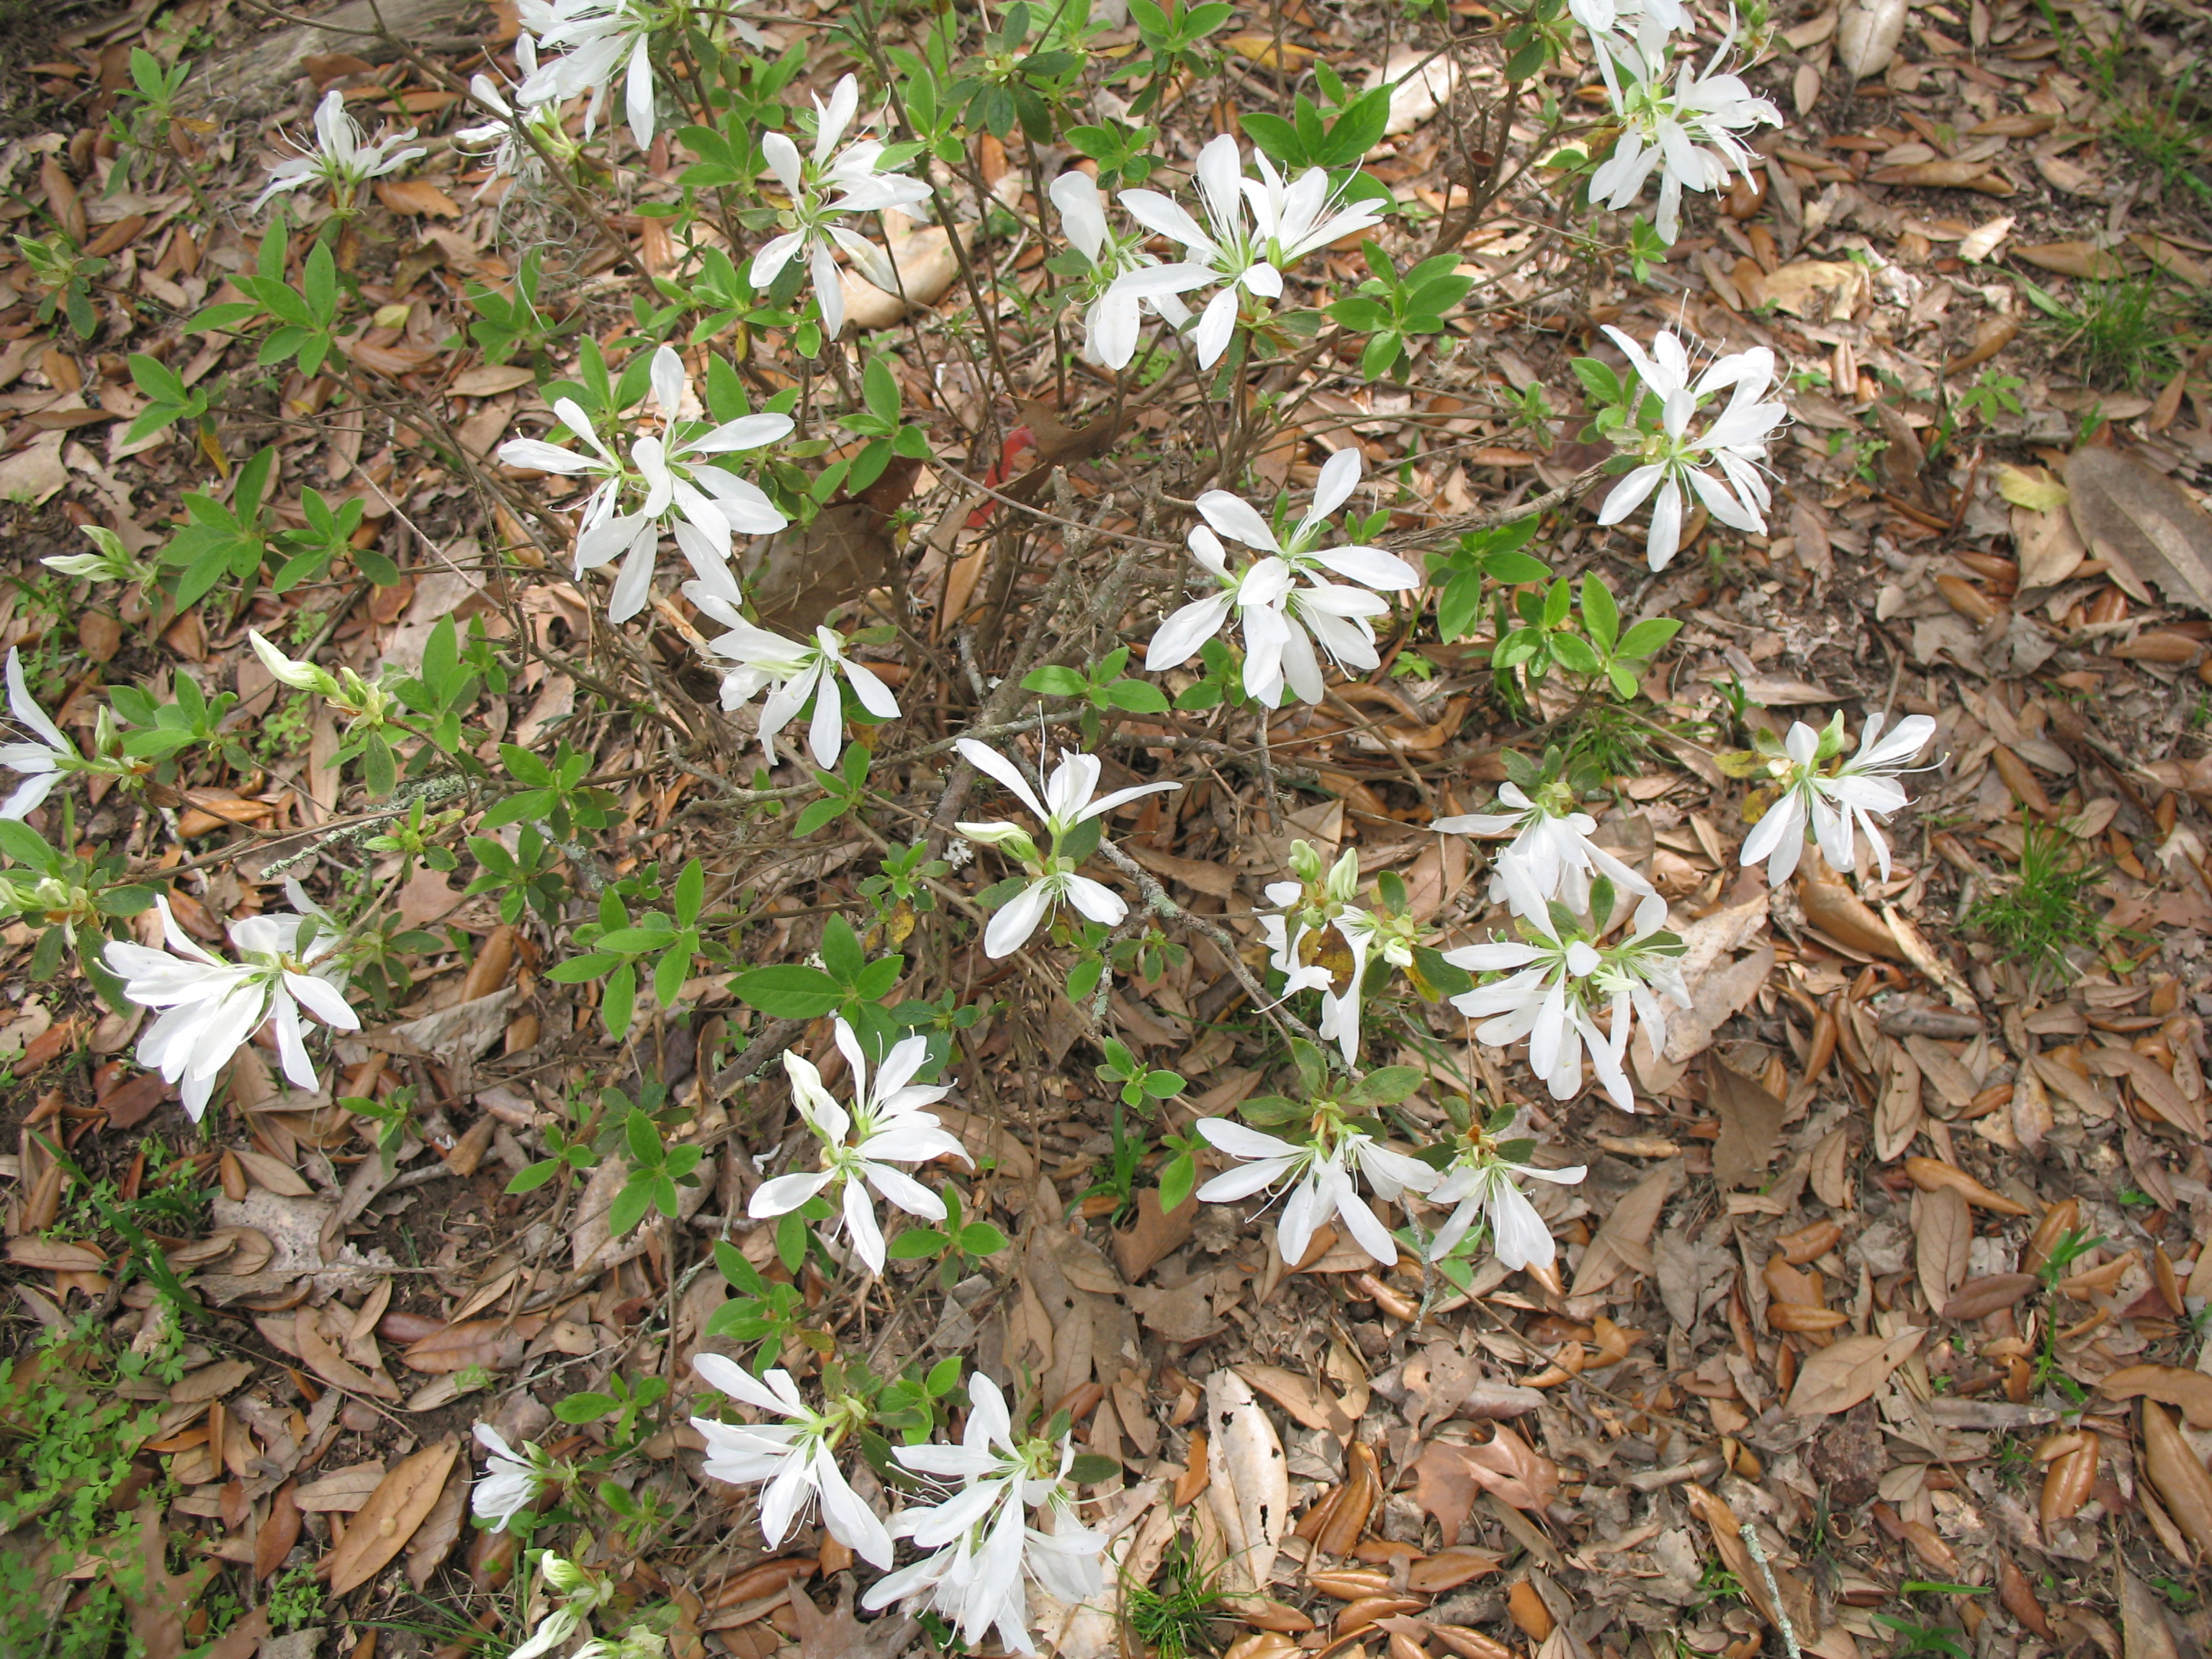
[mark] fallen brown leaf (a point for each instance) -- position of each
(382, 1526)
(2179, 1475)
(2169, 1385)
(1849, 1369)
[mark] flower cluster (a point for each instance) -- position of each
(1281, 598)
(983, 1540)
(1687, 130)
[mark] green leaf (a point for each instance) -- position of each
(1600, 614)
(1515, 568)
(1089, 1468)
(791, 992)
(618, 1002)
(1386, 1086)
(629, 1206)
(1137, 697)
(584, 1408)
(1056, 681)
(982, 1238)
(916, 1244)
(1648, 638)
(1574, 654)
(1177, 1179)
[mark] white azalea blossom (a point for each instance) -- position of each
(1555, 982)
(1246, 255)
(1123, 280)
(511, 1479)
(1321, 1177)
(795, 1462)
(668, 482)
(1834, 805)
(582, 1593)
(39, 763)
(824, 185)
(885, 1126)
(600, 39)
(1316, 921)
(789, 670)
(983, 1545)
(1066, 803)
(343, 156)
(502, 139)
(1283, 598)
(1484, 1183)
(1550, 842)
(210, 1006)
(1688, 132)
(1674, 461)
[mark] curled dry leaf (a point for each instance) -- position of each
(382, 1526)
(1933, 1175)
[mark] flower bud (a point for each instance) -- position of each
(300, 676)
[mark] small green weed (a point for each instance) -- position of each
(1173, 1616)
(2161, 133)
(66, 1441)
(2117, 333)
(2044, 913)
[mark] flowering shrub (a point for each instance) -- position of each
(733, 435)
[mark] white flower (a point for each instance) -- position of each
(40, 763)
(1277, 612)
(1552, 842)
(1554, 981)
(600, 39)
(502, 137)
(670, 481)
(797, 1458)
(809, 232)
(1485, 1184)
(1067, 802)
(1288, 221)
(213, 1006)
(1313, 912)
(511, 1479)
(886, 1126)
(1123, 279)
(1321, 1171)
(1860, 792)
(1663, 129)
(343, 156)
(983, 1546)
(793, 671)
(1735, 442)
(581, 1593)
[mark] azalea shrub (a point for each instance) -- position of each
(1186, 601)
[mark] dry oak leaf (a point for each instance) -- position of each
(1849, 1369)
(1306, 1401)
(2169, 1385)
(1750, 1121)
(1978, 1297)
(158, 1599)
(2126, 511)
(327, 1363)
(1444, 1486)
(417, 197)
(486, 381)
(1867, 35)
(1248, 1480)
(1933, 1174)
(1837, 911)
(382, 1526)
(1510, 1466)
